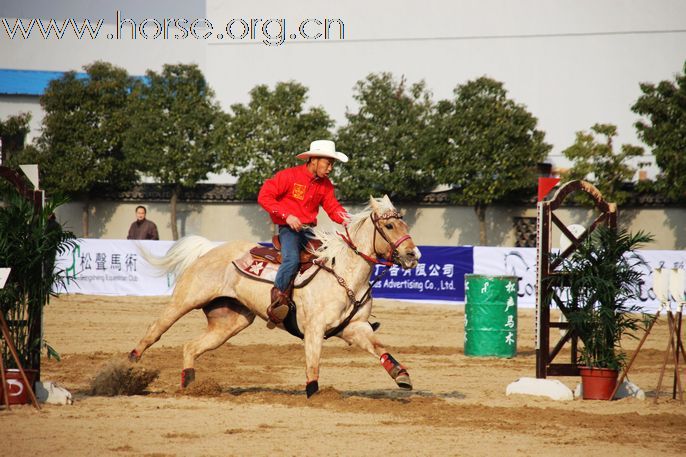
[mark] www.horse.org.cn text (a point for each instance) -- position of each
(269, 31)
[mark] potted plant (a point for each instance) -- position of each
(599, 286)
(29, 243)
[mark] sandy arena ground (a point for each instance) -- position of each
(458, 406)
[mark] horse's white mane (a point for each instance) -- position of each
(332, 243)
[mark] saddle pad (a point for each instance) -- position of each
(262, 270)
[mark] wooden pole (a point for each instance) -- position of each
(633, 357)
(677, 346)
(670, 345)
(5, 385)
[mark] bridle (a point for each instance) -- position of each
(393, 245)
(357, 304)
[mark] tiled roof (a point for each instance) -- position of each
(226, 193)
(205, 193)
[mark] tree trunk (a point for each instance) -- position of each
(481, 216)
(176, 190)
(85, 217)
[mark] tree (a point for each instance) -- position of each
(664, 129)
(386, 139)
(13, 131)
(82, 136)
(596, 161)
(177, 129)
(488, 146)
(266, 134)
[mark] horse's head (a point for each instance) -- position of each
(394, 242)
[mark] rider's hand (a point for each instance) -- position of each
(346, 219)
(294, 223)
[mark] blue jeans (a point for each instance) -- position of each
(292, 243)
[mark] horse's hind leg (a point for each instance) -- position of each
(172, 313)
(362, 335)
(225, 318)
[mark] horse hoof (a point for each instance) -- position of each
(311, 388)
(134, 356)
(375, 326)
(187, 377)
(403, 381)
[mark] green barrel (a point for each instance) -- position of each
(490, 316)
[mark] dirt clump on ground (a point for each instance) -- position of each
(118, 377)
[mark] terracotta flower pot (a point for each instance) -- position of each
(598, 383)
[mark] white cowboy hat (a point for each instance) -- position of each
(323, 148)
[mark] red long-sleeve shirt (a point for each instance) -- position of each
(298, 192)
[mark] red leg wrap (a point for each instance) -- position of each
(391, 365)
(134, 356)
(187, 377)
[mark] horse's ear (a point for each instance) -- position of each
(373, 204)
(387, 201)
(403, 212)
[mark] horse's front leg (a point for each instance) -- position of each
(362, 335)
(314, 339)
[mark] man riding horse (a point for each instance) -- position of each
(292, 198)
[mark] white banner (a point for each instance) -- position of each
(521, 262)
(114, 267)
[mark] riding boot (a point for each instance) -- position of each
(278, 309)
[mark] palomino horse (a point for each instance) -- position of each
(208, 280)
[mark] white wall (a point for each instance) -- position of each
(568, 81)
(430, 225)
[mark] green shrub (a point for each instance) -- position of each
(29, 244)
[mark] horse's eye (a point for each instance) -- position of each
(389, 226)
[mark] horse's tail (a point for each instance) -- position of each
(180, 256)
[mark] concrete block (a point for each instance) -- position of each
(49, 392)
(550, 388)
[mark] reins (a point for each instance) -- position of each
(357, 304)
(366, 257)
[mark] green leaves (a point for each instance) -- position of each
(265, 135)
(596, 285)
(597, 162)
(664, 129)
(29, 243)
(81, 145)
(486, 145)
(13, 131)
(177, 128)
(489, 145)
(387, 140)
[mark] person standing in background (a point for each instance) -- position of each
(142, 228)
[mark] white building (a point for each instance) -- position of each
(573, 63)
